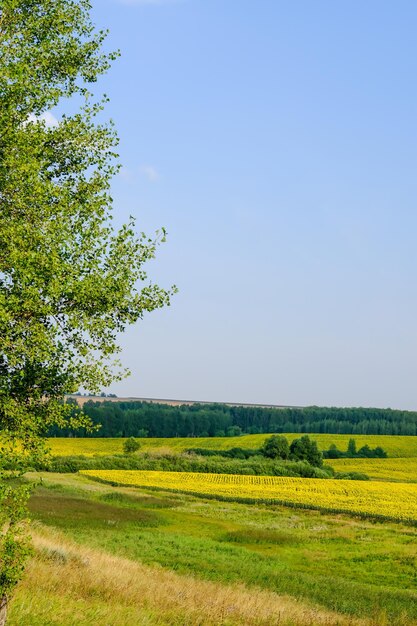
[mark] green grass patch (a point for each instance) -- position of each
(69, 512)
(349, 565)
(261, 536)
(125, 499)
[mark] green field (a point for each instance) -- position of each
(395, 445)
(119, 556)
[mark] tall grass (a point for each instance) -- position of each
(355, 567)
(67, 584)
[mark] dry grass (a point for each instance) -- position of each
(66, 584)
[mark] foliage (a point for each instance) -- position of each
(276, 447)
(128, 418)
(332, 452)
(191, 463)
(304, 449)
(233, 453)
(351, 449)
(68, 279)
(233, 431)
(131, 445)
(15, 547)
(352, 452)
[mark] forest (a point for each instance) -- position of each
(145, 419)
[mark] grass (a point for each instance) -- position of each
(115, 556)
(395, 445)
(89, 513)
(316, 567)
(67, 584)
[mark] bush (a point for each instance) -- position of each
(351, 476)
(276, 447)
(131, 445)
(332, 453)
(353, 453)
(304, 449)
(233, 431)
(257, 466)
(233, 453)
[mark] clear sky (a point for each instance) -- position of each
(276, 141)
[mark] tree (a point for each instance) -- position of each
(380, 452)
(233, 431)
(333, 452)
(69, 281)
(131, 445)
(351, 449)
(365, 451)
(304, 449)
(276, 447)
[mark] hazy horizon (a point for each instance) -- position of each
(115, 397)
(276, 142)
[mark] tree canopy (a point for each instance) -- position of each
(304, 449)
(125, 418)
(131, 445)
(69, 281)
(276, 447)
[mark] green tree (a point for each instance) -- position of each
(333, 452)
(276, 447)
(69, 281)
(233, 431)
(365, 451)
(304, 449)
(131, 445)
(351, 449)
(380, 452)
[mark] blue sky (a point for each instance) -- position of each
(276, 142)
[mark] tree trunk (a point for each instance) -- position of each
(3, 610)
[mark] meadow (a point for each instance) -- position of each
(119, 547)
(122, 555)
(395, 445)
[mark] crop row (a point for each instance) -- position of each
(376, 499)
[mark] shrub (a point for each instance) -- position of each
(131, 445)
(276, 447)
(304, 449)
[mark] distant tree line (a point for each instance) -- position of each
(92, 395)
(145, 419)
